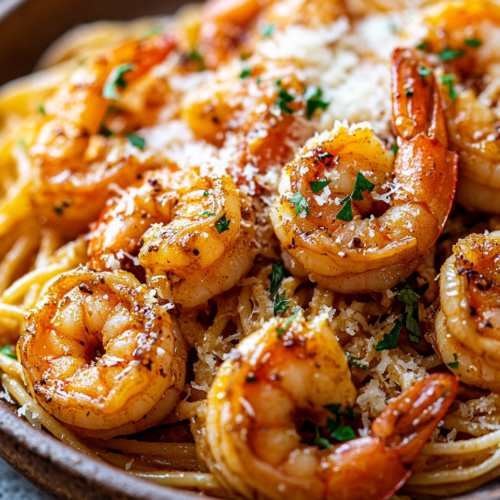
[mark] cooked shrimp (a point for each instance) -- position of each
(291, 370)
(197, 231)
(75, 165)
(468, 323)
(332, 213)
(99, 353)
(465, 34)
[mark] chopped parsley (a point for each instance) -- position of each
(156, 29)
(335, 426)
(41, 109)
(58, 209)
(245, 73)
(115, 80)
(448, 80)
(138, 142)
(361, 185)
(312, 96)
(409, 92)
(422, 45)
(473, 42)
(454, 364)
(449, 54)
(390, 341)
(277, 275)
(267, 31)
(207, 213)
(197, 58)
(300, 203)
(222, 224)
(283, 99)
(321, 441)
(258, 80)
(288, 321)
(410, 298)
(206, 193)
(317, 186)
(354, 361)
(281, 304)
(423, 72)
(9, 350)
(395, 149)
(103, 130)
(251, 378)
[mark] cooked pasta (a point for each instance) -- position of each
(250, 250)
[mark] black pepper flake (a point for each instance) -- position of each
(85, 289)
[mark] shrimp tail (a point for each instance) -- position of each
(420, 124)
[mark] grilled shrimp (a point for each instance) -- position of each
(349, 217)
(75, 164)
(100, 354)
(468, 322)
(291, 370)
(465, 34)
(196, 231)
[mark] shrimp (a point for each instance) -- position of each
(468, 321)
(340, 214)
(75, 165)
(196, 231)
(100, 354)
(465, 34)
(291, 370)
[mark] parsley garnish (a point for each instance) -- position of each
(410, 298)
(454, 364)
(409, 92)
(206, 193)
(135, 140)
(58, 209)
(222, 224)
(258, 80)
(449, 54)
(395, 149)
(281, 304)
(245, 73)
(41, 109)
(422, 45)
(103, 130)
(423, 72)
(361, 185)
(321, 441)
(251, 378)
(283, 99)
(354, 361)
(277, 275)
(267, 31)
(312, 96)
(196, 57)
(206, 212)
(288, 321)
(337, 430)
(317, 186)
(300, 203)
(448, 80)
(156, 29)
(390, 341)
(115, 80)
(9, 350)
(473, 42)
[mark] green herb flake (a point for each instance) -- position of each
(422, 45)
(321, 441)
(283, 99)
(423, 72)
(345, 213)
(207, 213)
(288, 321)
(300, 203)
(245, 73)
(312, 96)
(9, 350)
(277, 275)
(41, 109)
(317, 186)
(222, 224)
(115, 80)
(448, 80)
(251, 378)
(354, 361)
(103, 130)
(338, 431)
(361, 185)
(449, 54)
(454, 364)
(138, 142)
(281, 304)
(268, 30)
(390, 341)
(409, 92)
(197, 58)
(244, 56)
(258, 80)
(156, 29)
(395, 149)
(473, 42)
(58, 209)
(410, 298)
(206, 193)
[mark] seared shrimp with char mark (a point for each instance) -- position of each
(291, 370)
(100, 354)
(350, 218)
(468, 324)
(75, 164)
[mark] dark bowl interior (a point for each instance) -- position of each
(27, 27)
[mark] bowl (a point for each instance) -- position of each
(58, 470)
